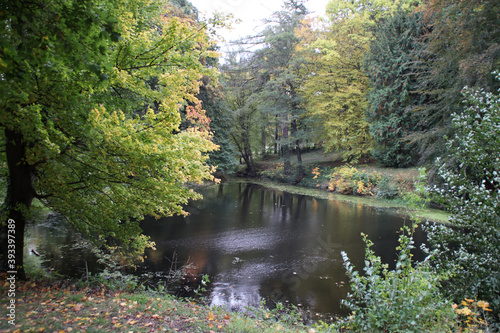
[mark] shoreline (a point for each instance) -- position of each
(430, 214)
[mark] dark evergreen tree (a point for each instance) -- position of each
(393, 98)
(462, 49)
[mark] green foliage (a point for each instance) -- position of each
(335, 85)
(239, 86)
(275, 172)
(388, 65)
(334, 88)
(114, 263)
(461, 49)
(284, 314)
(406, 299)
(34, 268)
(277, 71)
(470, 190)
(225, 158)
(205, 280)
(418, 198)
(385, 189)
(89, 112)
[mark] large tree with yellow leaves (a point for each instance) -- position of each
(336, 84)
(90, 93)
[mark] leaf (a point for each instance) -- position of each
(211, 316)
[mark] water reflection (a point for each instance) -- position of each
(258, 243)
(253, 242)
(60, 248)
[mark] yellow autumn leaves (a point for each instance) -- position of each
(472, 314)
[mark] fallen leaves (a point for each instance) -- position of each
(56, 309)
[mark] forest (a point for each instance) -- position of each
(112, 111)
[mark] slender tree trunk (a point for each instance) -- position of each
(300, 176)
(20, 194)
(276, 137)
(287, 169)
(249, 158)
(263, 140)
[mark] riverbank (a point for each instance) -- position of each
(394, 206)
(326, 176)
(63, 306)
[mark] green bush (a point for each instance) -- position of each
(385, 190)
(471, 191)
(406, 299)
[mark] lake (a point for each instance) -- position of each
(254, 243)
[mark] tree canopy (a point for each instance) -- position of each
(393, 99)
(89, 111)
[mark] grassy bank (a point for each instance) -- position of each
(327, 177)
(395, 206)
(72, 307)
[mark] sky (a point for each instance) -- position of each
(250, 12)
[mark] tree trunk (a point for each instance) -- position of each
(276, 138)
(263, 141)
(245, 154)
(17, 203)
(300, 175)
(287, 168)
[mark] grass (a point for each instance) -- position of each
(396, 206)
(401, 178)
(63, 306)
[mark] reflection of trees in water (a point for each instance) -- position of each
(274, 233)
(61, 248)
(244, 197)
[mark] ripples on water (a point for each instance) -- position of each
(256, 243)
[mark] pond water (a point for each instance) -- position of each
(255, 244)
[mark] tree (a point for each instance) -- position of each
(470, 190)
(462, 49)
(240, 85)
(263, 90)
(336, 86)
(90, 94)
(212, 96)
(278, 69)
(393, 97)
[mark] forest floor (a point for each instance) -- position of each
(62, 306)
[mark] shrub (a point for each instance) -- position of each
(471, 191)
(406, 299)
(275, 172)
(349, 180)
(385, 190)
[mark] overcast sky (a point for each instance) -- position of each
(251, 12)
